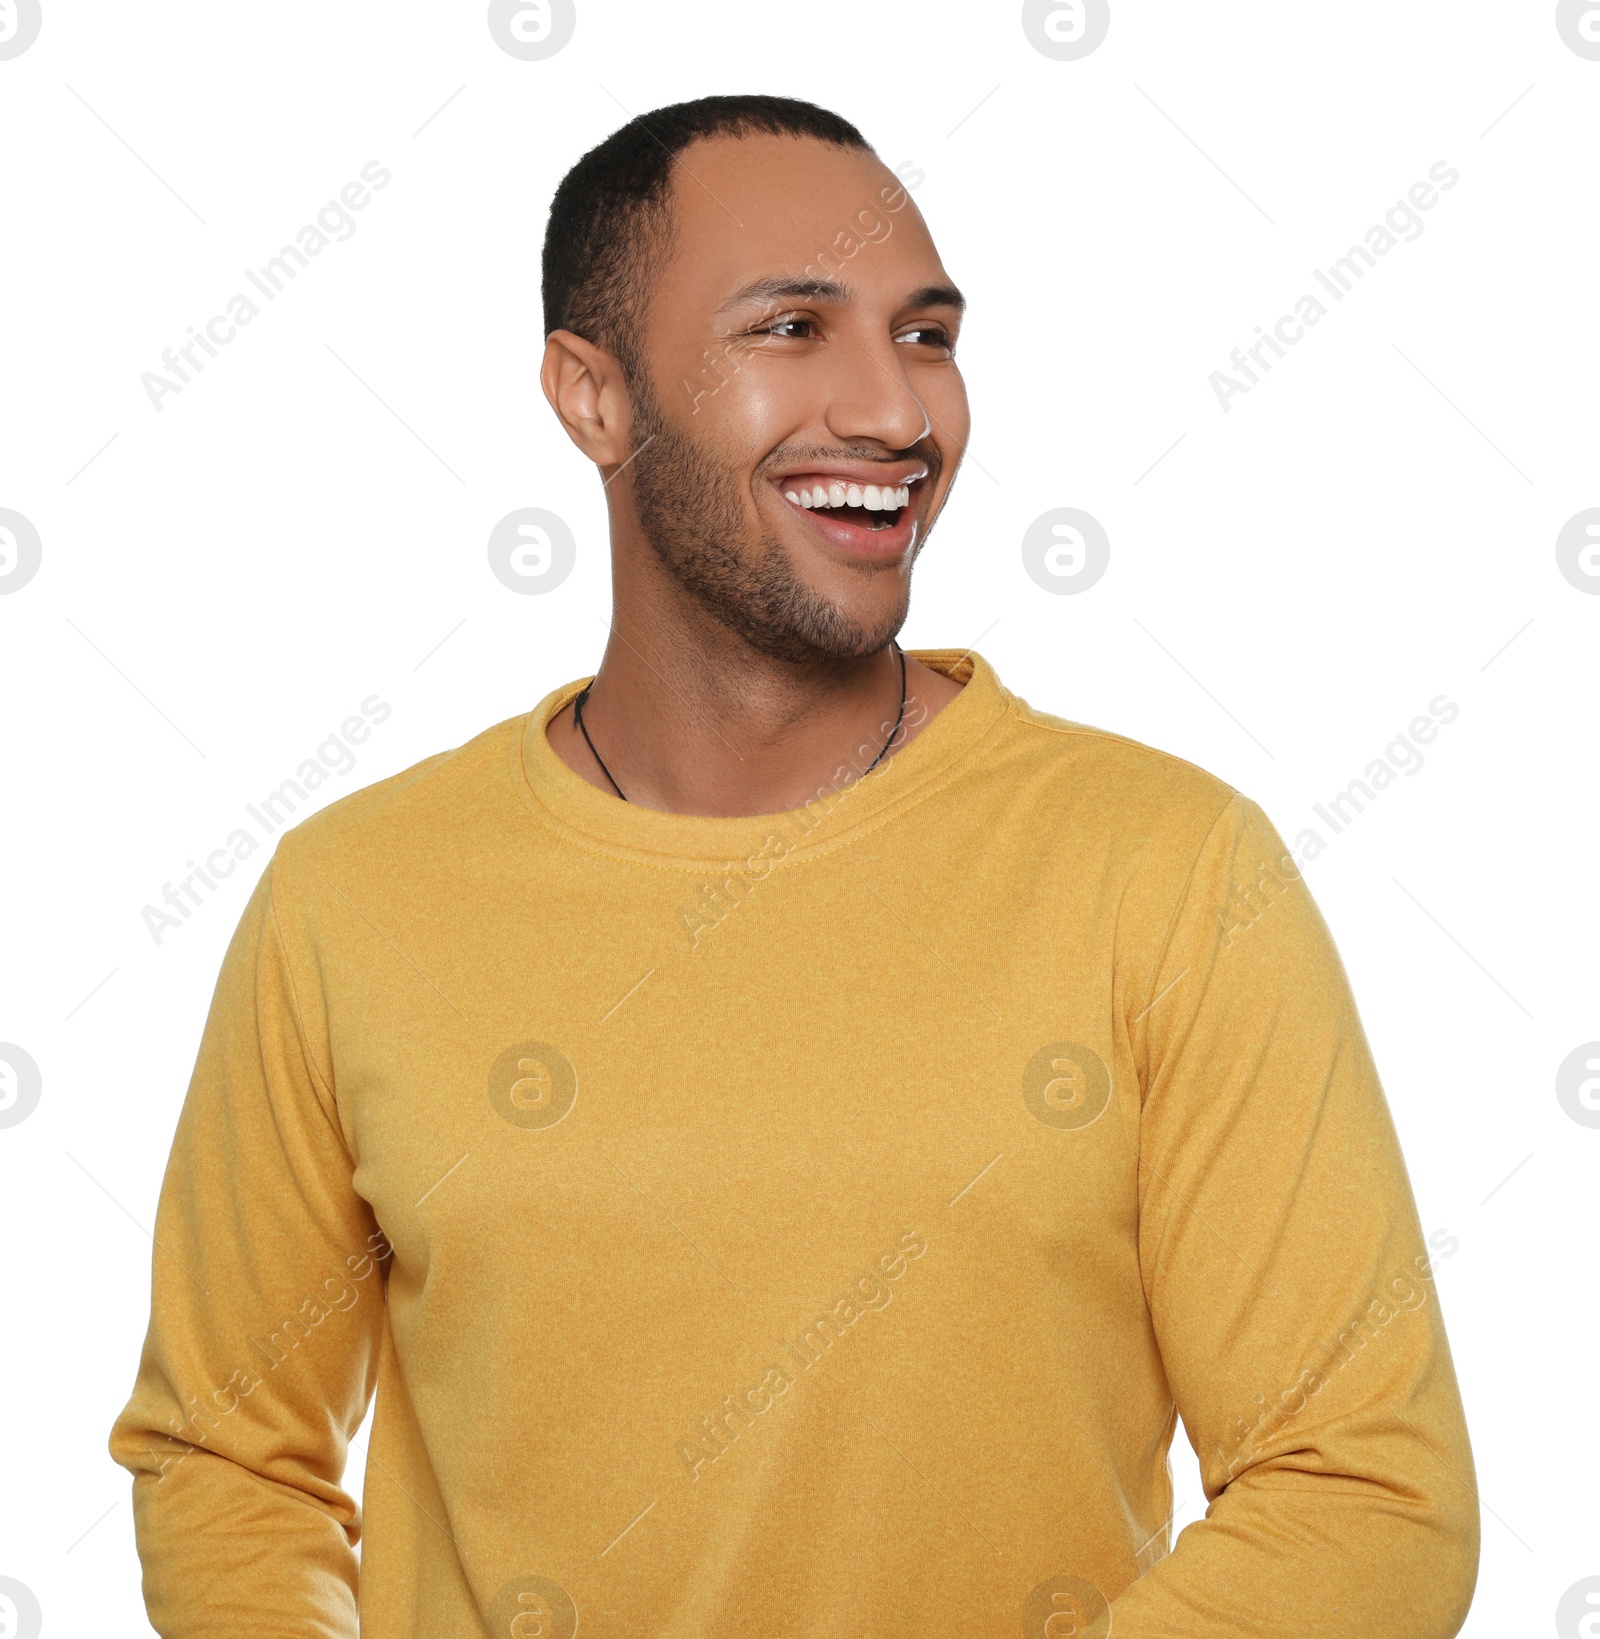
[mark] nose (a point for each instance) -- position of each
(870, 398)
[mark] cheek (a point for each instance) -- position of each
(946, 400)
(753, 412)
(943, 394)
(763, 406)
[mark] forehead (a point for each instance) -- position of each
(745, 207)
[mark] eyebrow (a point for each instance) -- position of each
(784, 287)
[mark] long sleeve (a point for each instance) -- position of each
(266, 1313)
(1289, 1285)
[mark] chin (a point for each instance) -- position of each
(821, 632)
(859, 636)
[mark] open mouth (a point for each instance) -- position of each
(875, 522)
(867, 506)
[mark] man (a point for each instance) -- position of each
(786, 1126)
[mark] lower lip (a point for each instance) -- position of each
(856, 540)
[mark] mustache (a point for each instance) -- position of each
(821, 455)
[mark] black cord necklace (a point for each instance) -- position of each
(583, 694)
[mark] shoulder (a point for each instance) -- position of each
(1111, 782)
(420, 818)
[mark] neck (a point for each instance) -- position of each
(699, 723)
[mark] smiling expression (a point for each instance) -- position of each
(802, 416)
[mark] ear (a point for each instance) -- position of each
(584, 385)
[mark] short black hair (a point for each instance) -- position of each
(609, 220)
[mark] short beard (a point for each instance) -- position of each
(747, 584)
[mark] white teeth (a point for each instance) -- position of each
(873, 497)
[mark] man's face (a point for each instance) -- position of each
(803, 416)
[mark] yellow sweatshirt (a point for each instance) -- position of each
(810, 1225)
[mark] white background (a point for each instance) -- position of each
(1291, 580)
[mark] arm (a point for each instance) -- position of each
(266, 1310)
(1289, 1285)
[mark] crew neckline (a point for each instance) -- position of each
(598, 820)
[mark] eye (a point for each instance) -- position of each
(929, 335)
(787, 329)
